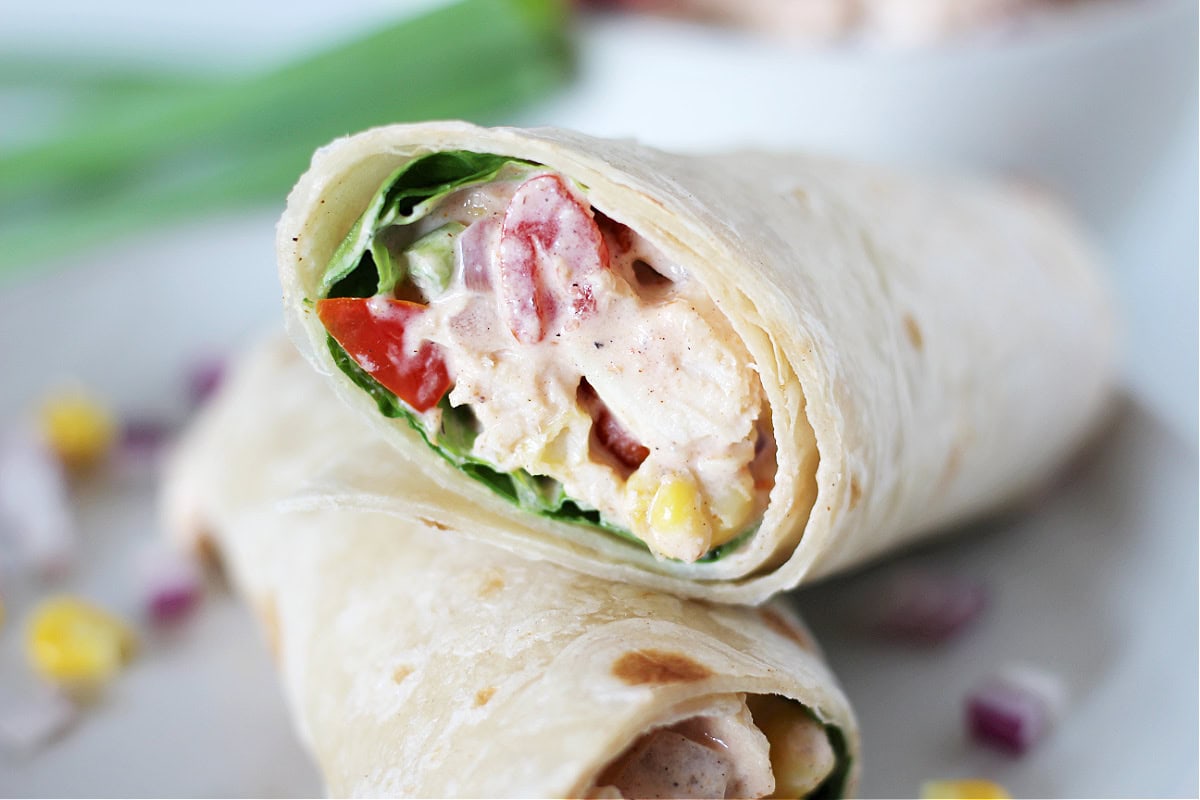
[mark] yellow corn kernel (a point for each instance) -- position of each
(74, 643)
(676, 505)
(678, 526)
(970, 789)
(78, 429)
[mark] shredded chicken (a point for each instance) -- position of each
(727, 754)
(600, 364)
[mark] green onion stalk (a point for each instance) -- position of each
(141, 150)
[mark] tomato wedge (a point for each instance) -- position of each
(371, 331)
(544, 225)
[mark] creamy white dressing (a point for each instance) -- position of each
(661, 357)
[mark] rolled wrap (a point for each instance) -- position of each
(421, 663)
(928, 348)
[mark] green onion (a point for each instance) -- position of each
(165, 148)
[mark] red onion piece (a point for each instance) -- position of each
(1011, 710)
(145, 436)
(204, 379)
(924, 607)
(172, 603)
(477, 247)
(172, 584)
(143, 442)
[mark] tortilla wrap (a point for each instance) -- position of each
(928, 348)
(420, 663)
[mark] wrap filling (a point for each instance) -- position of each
(552, 353)
(745, 747)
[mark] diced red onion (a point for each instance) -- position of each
(172, 583)
(142, 444)
(476, 250)
(924, 607)
(205, 378)
(35, 721)
(145, 436)
(36, 520)
(1012, 709)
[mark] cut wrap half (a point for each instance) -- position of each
(717, 375)
(419, 663)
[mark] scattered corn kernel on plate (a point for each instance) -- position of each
(1051, 652)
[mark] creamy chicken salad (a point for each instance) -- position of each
(552, 353)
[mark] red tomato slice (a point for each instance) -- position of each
(371, 330)
(545, 225)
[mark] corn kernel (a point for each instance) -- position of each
(675, 505)
(678, 527)
(971, 789)
(77, 428)
(76, 644)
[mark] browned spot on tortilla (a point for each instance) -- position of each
(433, 523)
(780, 624)
(401, 672)
(268, 617)
(855, 491)
(483, 695)
(639, 667)
(914, 332)
(493, 584)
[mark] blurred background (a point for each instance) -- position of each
(146, 150)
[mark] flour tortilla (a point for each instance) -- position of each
(930, 348)
(421, 663)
